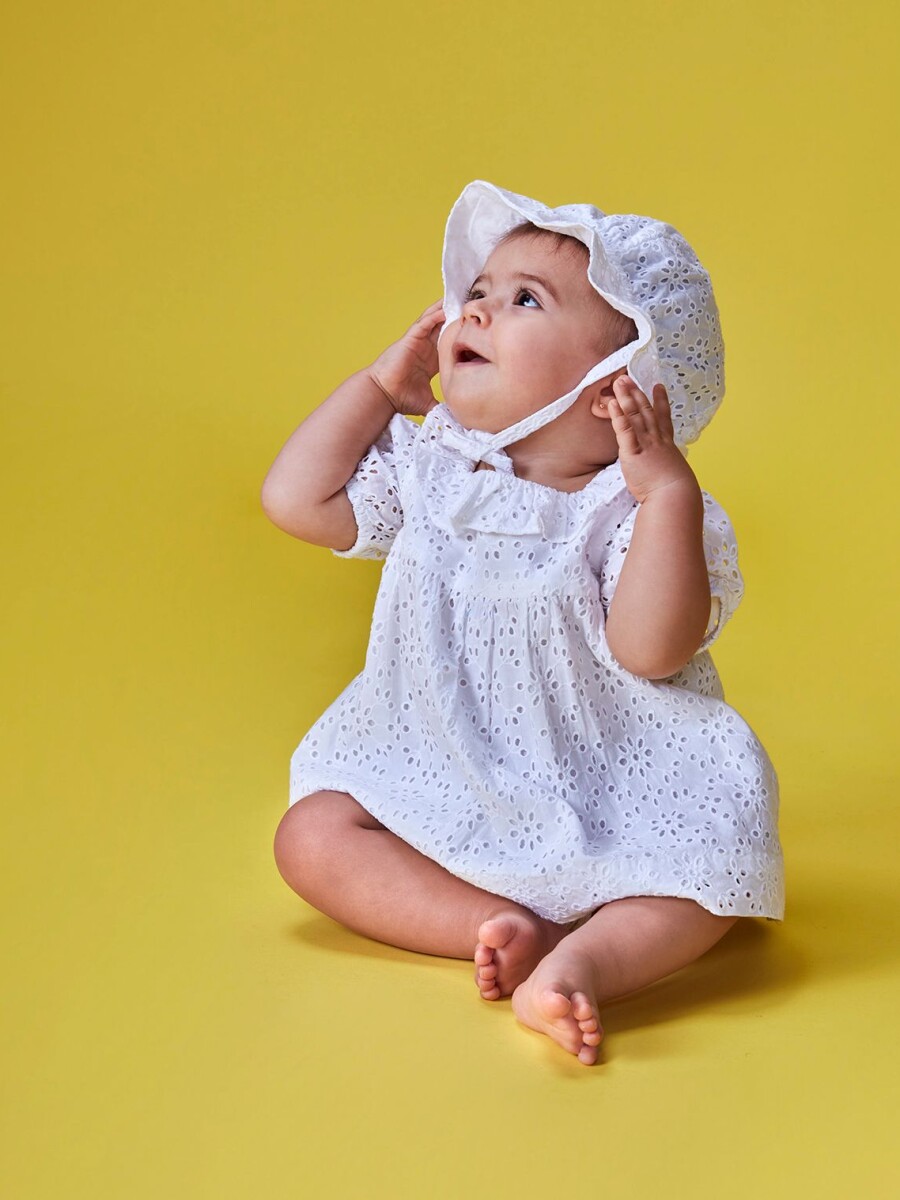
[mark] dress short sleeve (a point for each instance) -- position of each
(726, 584)
(374, 490)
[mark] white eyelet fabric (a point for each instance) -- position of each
(492, 729)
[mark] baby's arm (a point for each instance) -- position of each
(661, 607)
(304, 491)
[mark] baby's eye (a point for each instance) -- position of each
(474, 293)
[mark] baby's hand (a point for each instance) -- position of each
(404, 371)
(649, 458)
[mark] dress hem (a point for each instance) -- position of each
(617, 885)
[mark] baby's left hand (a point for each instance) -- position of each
(649, 458)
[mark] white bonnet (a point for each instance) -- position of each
(641, 266)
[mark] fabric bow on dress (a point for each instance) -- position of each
(485, 502)
(480, 497)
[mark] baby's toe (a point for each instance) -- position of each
(485, 968)
(556, 1009)
(582, 1009)
(553, 1004)
(588, 1022)
(486, 973)
(483, 955)
(496, 932)
(585, 1013)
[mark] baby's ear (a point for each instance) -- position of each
(598, 407)
(601, 393)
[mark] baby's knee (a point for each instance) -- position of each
(310, 830)
(300, 834)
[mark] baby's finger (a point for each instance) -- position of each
(663, 410)
(432, 312)
(633, 404)
(623, 426)
(435, 332)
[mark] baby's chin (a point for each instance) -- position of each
(485, 413)
(471, 418)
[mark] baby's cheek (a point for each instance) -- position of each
(445, 360)
(447, 335)
(445, 356)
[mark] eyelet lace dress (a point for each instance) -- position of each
(492, 729)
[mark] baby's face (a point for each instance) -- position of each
(537, 337)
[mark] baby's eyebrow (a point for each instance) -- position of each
(522, 276)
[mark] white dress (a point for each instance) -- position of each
(492, 729)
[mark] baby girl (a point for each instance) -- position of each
(536, 767)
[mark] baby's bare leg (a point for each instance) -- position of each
(625, 945)
(344, 862)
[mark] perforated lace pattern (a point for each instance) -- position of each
(492, 729)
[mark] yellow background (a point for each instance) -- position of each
(213, 213)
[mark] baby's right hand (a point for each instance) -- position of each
(404, 371)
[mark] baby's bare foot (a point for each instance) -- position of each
(510, 945)
(559, 998)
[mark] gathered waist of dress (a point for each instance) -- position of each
(478, 579)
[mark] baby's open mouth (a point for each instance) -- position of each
(465, 355)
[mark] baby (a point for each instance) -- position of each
(536, 767)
